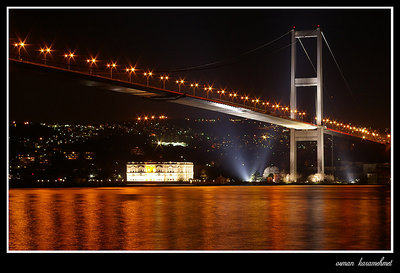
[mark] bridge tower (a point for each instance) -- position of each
(307, 135)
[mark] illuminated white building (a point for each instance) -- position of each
(159, 171)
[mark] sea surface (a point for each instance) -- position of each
(185, 218)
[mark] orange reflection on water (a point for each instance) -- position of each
(200, 218)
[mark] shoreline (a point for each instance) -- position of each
(149, 184)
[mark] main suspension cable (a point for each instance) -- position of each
(211, 64)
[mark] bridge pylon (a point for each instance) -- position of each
(307, 135)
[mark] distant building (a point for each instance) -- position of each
(88, 155)
(25, 160)
(159, 171)
(137, 151)
(71, 155)
(271, 174)
(378, 173)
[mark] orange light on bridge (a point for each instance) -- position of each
(130, 71)
(208, 89)
(111, 66)
(19, 46)
(45, 51)
(93, 60)
(221, 92)
(163, 79)
(69, 56)
(148, 74)
(179, 82)
(194, 86)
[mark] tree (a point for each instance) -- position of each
(203, 174)
(255, 177)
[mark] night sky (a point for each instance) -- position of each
(171, 39)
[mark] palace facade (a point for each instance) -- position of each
(159, 171)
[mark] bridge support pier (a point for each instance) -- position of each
(316, 135)
(293, 155)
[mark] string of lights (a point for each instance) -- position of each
(151, 117)
(131, 74)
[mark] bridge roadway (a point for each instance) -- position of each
(155, 93)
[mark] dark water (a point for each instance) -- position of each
(201, 218)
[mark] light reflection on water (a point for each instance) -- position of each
(201, 218)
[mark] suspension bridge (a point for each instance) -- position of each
(134, 81)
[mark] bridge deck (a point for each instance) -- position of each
(156, 93)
